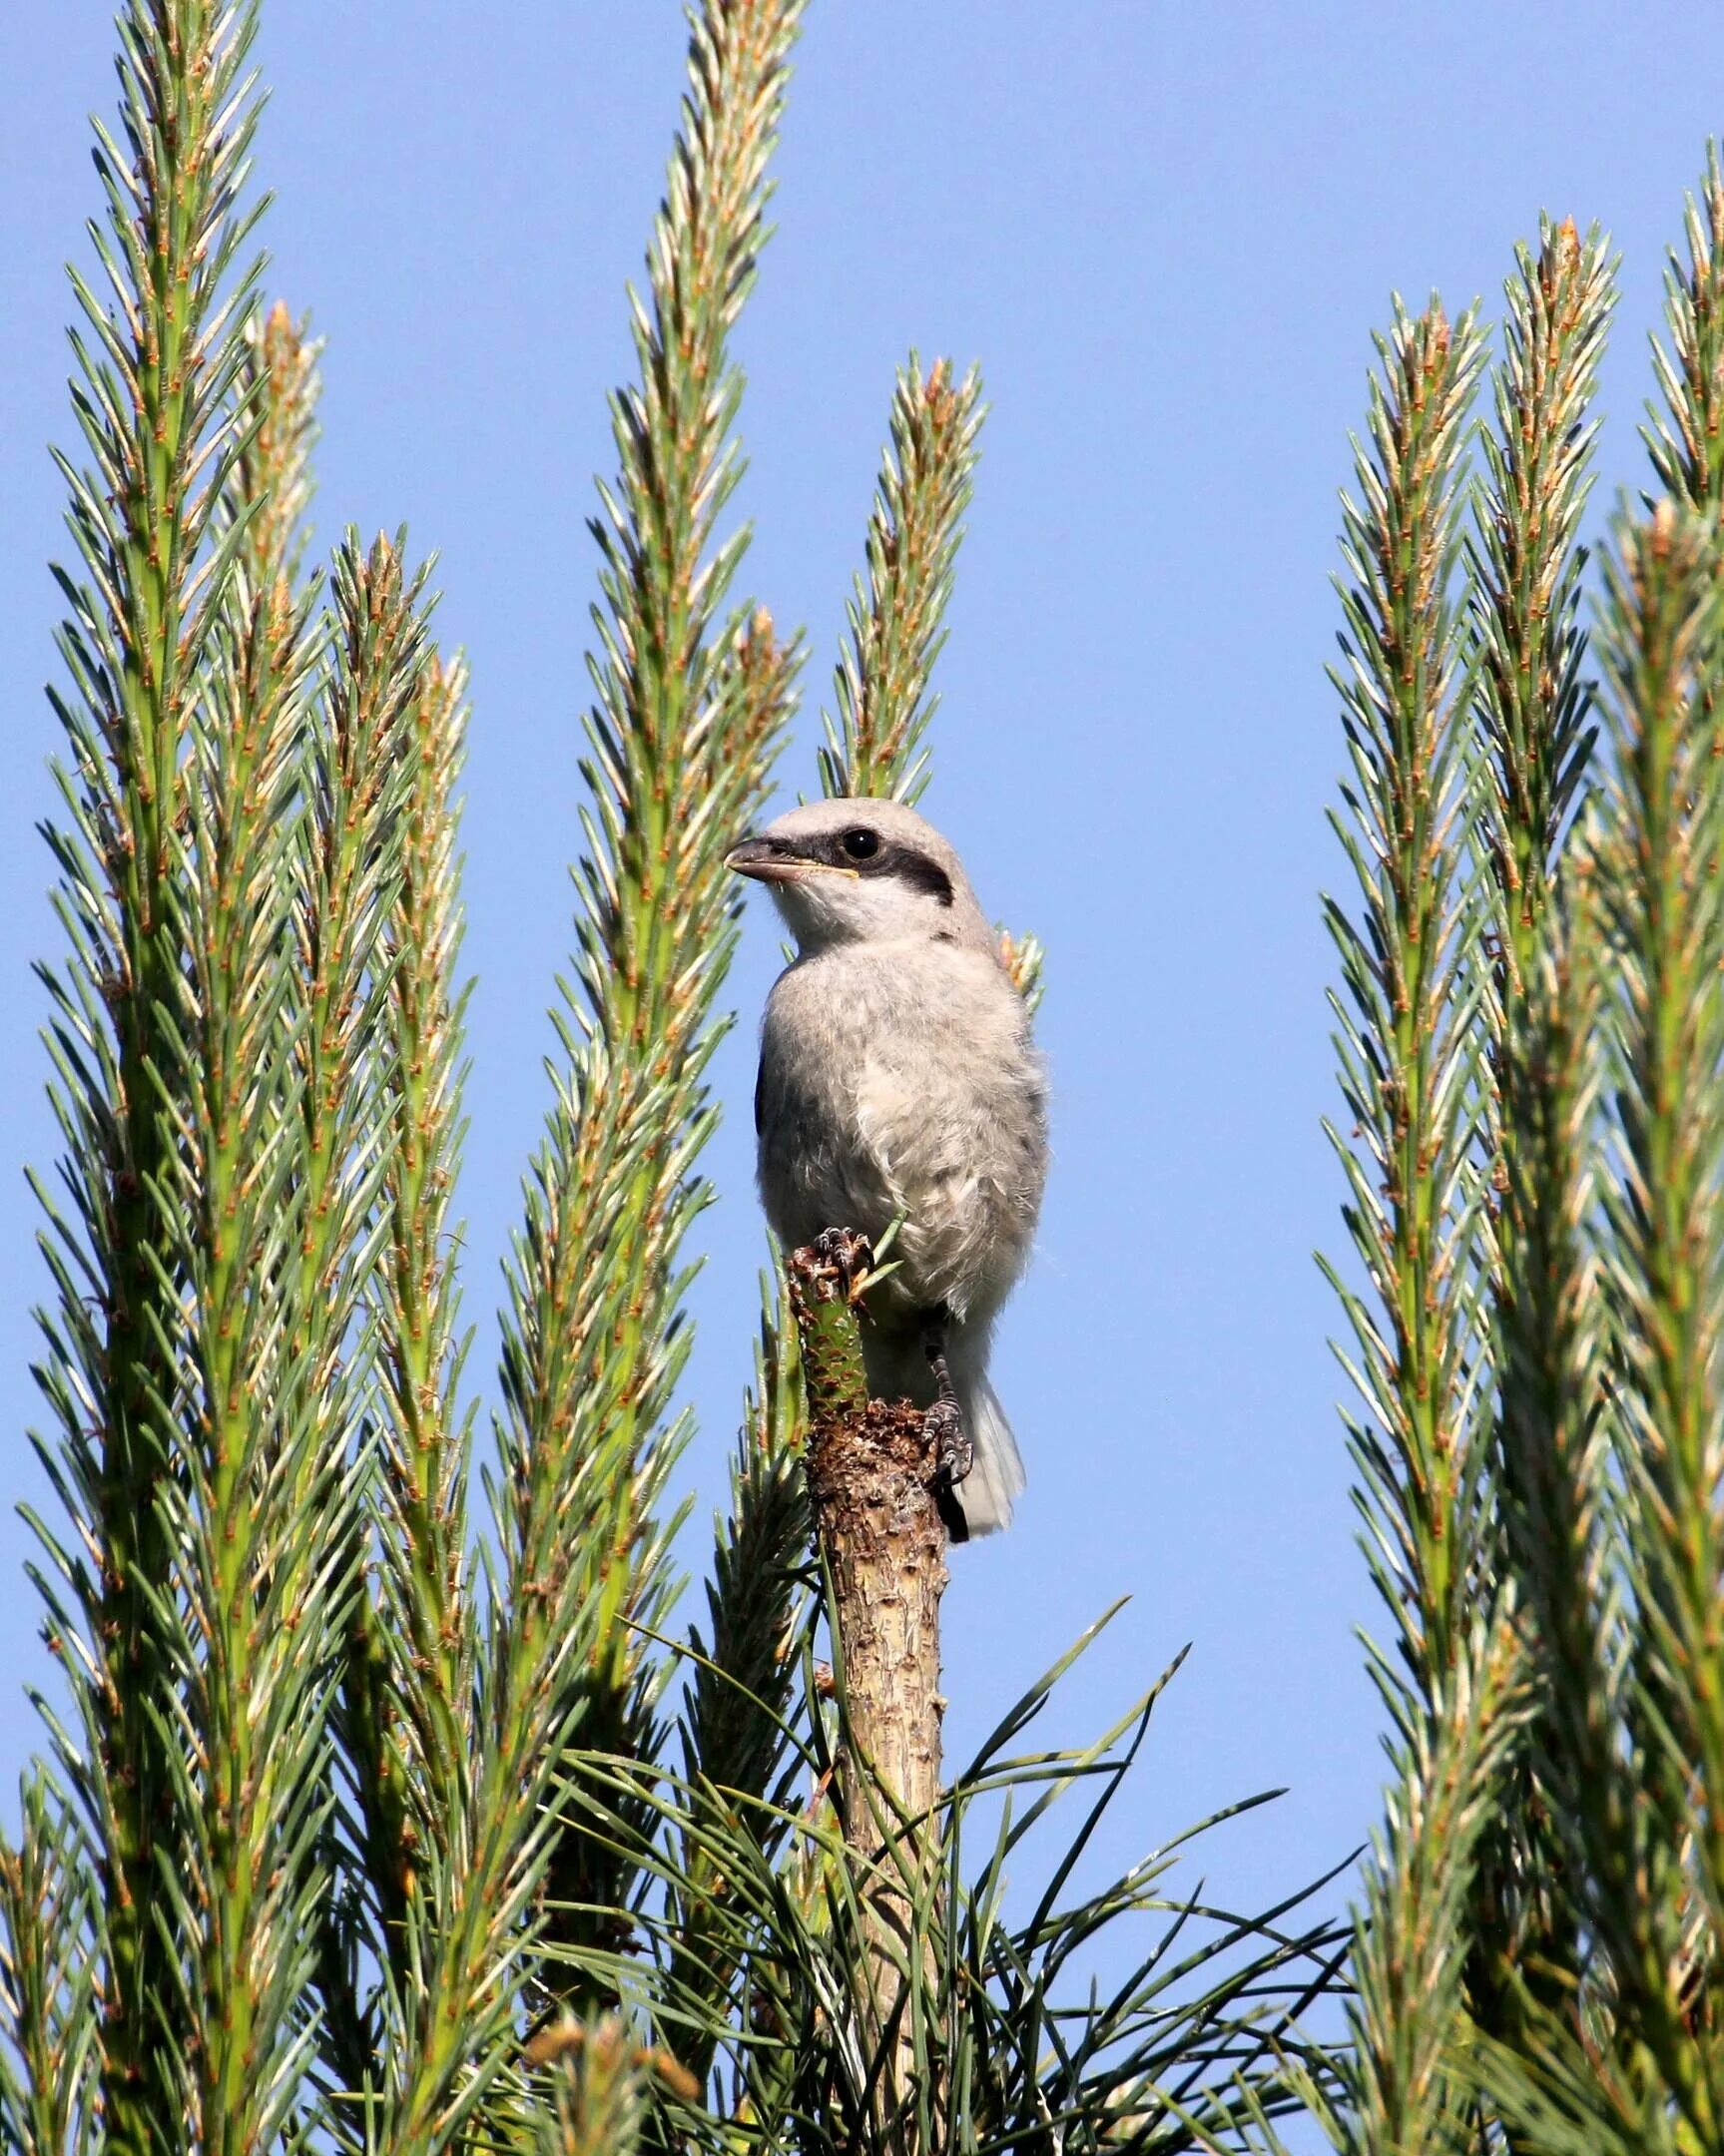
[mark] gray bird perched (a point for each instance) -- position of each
(897, 1079)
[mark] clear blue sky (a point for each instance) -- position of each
(1166, 231)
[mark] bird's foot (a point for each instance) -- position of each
(953, 1454)
(844, 1255)
(953, 1457)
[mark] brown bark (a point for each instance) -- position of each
(870, 1477)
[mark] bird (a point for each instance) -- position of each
(899, 1082)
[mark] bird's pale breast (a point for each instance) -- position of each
(902, 1080)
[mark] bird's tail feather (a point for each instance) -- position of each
(996, 1473)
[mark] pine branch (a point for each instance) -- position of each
(258, 1605)
(157, 372)
(1554, 1361)
(876, 747)
(741, 1693)
(689, 708)
(597, 2088)
(1566, 2095)
(269, 491)
(896, 612)
(1532, 712)
(740, 1689)
(1532, 704)
(1686, 444)
(1663, 662)
(48, 2001)
(1412, 1935)
(427, 1620)
(359, 760)
(1026, 963)
(1559, 1511)
(1408, 1044)
(406, 1715)
(1409, 1048)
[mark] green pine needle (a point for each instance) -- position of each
(158, 639)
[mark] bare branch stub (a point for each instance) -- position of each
(871, 1473)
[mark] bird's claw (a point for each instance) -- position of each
(844, 1254)
(953, 1454)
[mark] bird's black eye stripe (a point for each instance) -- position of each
(866, 853)
(921, 872)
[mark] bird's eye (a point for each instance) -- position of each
(861, 844)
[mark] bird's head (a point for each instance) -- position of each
(854, 870)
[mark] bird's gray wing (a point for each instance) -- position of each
(793, 1138)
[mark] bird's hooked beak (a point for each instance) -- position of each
(775, 860)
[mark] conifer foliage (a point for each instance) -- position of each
(376, 1825)
(1533, 1162)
